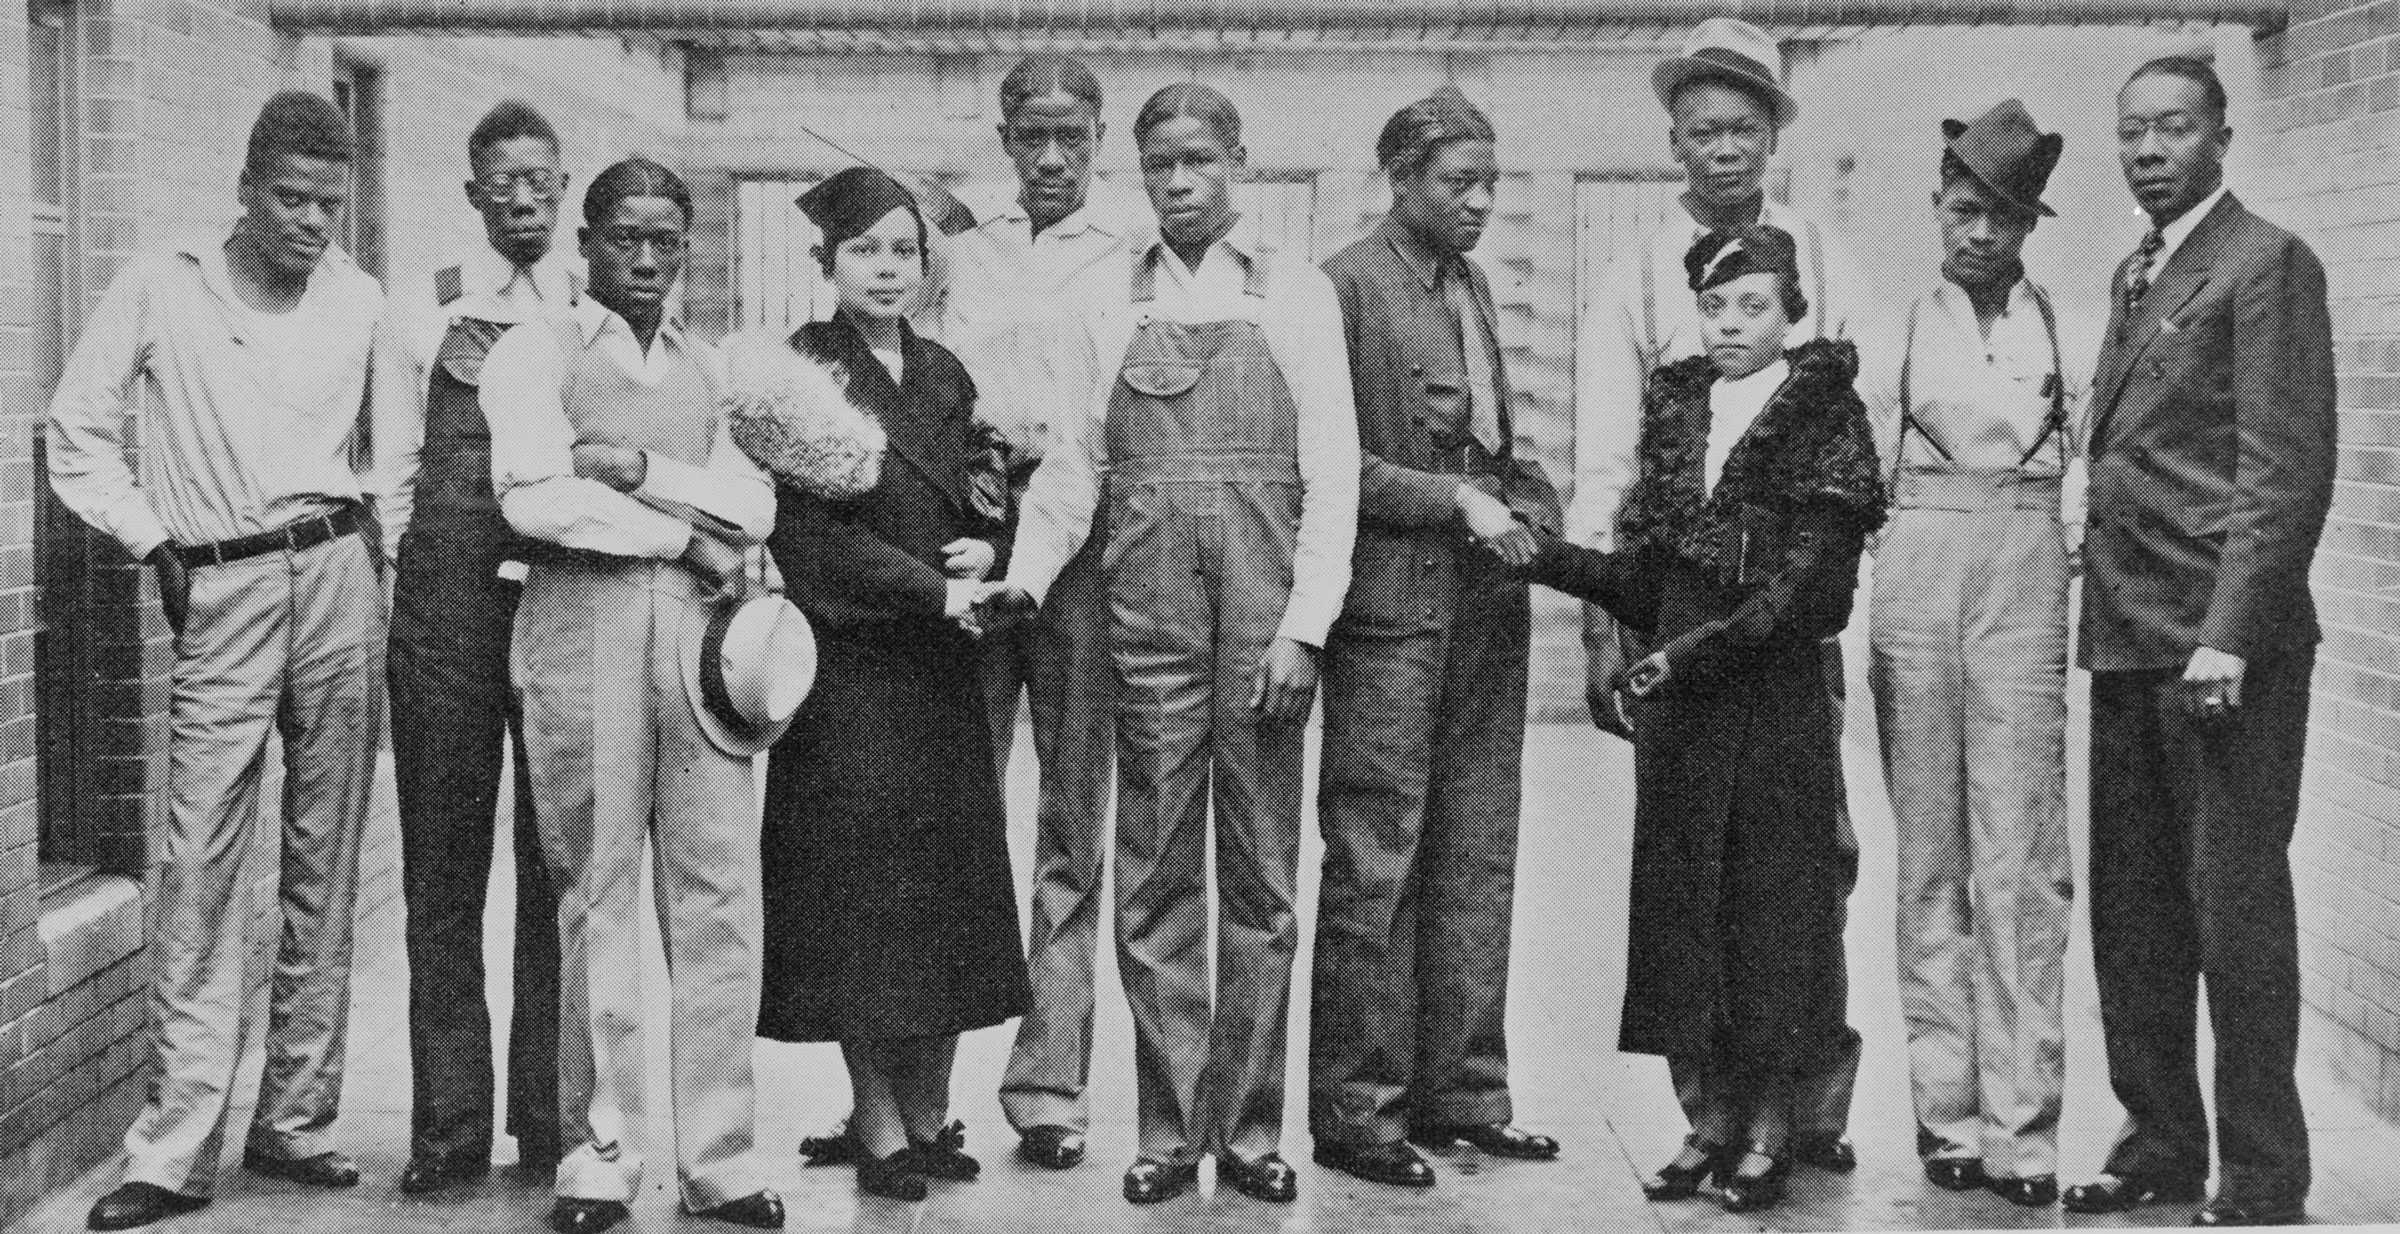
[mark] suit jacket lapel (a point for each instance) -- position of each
(2185, 276)
(911, 423)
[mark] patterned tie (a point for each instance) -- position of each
(2137, 280)
(1483, 396)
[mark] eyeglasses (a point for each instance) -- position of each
(501, 186)
(2172, 126)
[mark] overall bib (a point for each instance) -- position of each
(451, 708)
(1203, 514)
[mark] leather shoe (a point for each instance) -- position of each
(1493, 1139)
(1052, 1148)
(140, 1204)
(2039, 1191)
(2224, 1211)
(1680, 1179)
(1954, 1173)
(1156, 1182)
(572, 1216)
(326, 1169)
(1830, 1153)
(1394, 1164)
(428, 1174)
(891, 1177)
(762, 1210)
(834, 1147)
(1267, 1177)
(1749, 1193)
(944, 1156)
(2116, 1193)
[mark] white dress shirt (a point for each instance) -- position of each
(240, 434)
(2175, 233)
(533, 447)
(414, 323)
(1302, 322)
(1014, 314)
(1733, 406)
(1612, 364)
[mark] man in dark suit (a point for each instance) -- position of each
(1424, 685)
(2212, 447)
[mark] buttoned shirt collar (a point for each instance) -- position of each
(1164, 254)
(1087, 217)
(2181, 229)
(486, 273)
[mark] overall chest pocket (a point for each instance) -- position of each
(1162, 378)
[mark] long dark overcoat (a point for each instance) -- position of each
(890, 909)
(1738, 877)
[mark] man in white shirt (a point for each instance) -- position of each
(454, 600)
(251, 357)
(1726, 104)
(607, 451)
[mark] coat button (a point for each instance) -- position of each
(1416, 370)
(1430, 563)
(1431, 614)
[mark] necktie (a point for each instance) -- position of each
(1483, 396)
(2137, 280)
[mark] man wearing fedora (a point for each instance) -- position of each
(608, 454)
(1968, 638)
(2212, 459)
(1726, 104)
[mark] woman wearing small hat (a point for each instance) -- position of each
(891, 921)
(1969, 670)
(1755, 489)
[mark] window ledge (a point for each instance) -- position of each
(88, 925)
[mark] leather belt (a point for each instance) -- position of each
(291, 538)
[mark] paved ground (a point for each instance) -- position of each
(1615, 1113)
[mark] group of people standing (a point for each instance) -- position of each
(1166, 483)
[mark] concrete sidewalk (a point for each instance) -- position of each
(1614, 1112)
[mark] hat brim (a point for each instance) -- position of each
(1987, 175)
(738, 741)
(1671, 73)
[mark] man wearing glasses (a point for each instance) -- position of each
(458, 576)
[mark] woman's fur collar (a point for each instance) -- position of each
(791, 416)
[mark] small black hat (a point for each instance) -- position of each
(2005, 151)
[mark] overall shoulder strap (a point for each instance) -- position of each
(1908, 415)
(2055, 424)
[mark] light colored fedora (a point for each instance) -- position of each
(1728, 49)
(746, 668)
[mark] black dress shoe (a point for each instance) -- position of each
(2116, 1193)
(1394, 1164)
(326, 1169)
(2039, 1191)
(894, 1177)
(1750, 1193)
(2226, 1211)
(572, 1216)
(140, 1204)
(425, 1175)
(761, 1210)
(834, 1147)
(1268, 1177)
(1052, 1148)
(944, 1156)
(1495, 1139)
(1680, 1179)
(1156, 1182)
(1830, 1153)
(1954, 1173)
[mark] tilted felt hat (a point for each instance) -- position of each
(746, 668)
(2005, 151)
(1728, 49)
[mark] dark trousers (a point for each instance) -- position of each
(2191, 880)
(1418, 801)
(452, 705)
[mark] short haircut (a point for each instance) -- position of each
(1417, 132)
(2190, 68)
(508, 120)
(1047, 73)
(1191, 101)
(633, 177)
(1743, 86)
(297, 122)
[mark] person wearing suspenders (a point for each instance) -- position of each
(1968, 639)
(1229, 438)
(458, 568)
(1726, 106)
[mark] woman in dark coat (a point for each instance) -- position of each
(891, 920)
(1739, 552)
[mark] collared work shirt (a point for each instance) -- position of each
(1302, 323)
(238, 436)
(1015, 311)
(533, 447)
(1614, 352)
(414, 324)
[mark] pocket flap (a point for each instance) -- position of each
(1163, 378)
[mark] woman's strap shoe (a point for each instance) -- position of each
(945, 1156)
(893, 1177)
(1754, 1192)
(833, 1147)
(1394, 1164)
(1681, 1178)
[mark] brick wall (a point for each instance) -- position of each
(2327, 138)
(168, 90)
